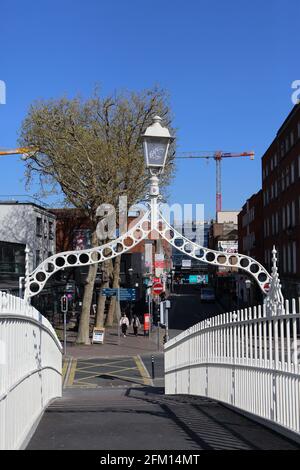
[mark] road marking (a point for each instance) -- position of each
(143, 371)
(72, 371)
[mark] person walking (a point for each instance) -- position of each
(135, 324)
(124, 324)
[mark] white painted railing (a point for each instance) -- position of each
(244, 359)
(30, 369)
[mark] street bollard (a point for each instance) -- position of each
(152, 364)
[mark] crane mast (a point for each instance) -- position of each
(218, 157)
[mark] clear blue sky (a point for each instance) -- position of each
(228, 67)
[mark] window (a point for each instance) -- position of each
(288, 220)
(292, 172)
(37, 257)
(287, 144)
(282, 181)
(289, 258)
(51, 233)
(287, 177)
(283, 218)
(294, 259)
(39, 226)
(293, 214)
(299, 130)
(292, 138)
(284, 258)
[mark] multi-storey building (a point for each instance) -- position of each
(198, 232)
(250, 228)
(21, 224)
(277, 218)
(281, 202)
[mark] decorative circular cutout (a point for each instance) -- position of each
(233, 260)
(210, 256)
(128, 242)
(138, 234)
(188, 247)
(221, 259)
(107, 252)
(72, 259)
(84, 258)
(34, 287)
(244, 262)
(262, 277)
(40, 276)
(50, 267)
(169, 234)
(118, 247)
(178, 242)
(199, 253)
(254, 268)
(60, 262)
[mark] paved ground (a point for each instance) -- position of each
(144, 418)
(118, 346)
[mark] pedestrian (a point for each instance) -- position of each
(124, 323)
(135, 324)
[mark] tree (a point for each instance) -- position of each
(90, 152)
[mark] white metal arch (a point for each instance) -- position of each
(152, 220)
(213, 257)
(35, 281)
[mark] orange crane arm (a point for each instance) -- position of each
(18, 151)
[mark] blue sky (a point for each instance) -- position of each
(228, 67)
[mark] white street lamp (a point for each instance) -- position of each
(156, 141)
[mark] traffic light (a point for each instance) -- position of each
(64, 303)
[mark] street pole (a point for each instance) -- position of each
(65, 333)
(167, 324)
(118, 310)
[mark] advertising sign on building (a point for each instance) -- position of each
(228, 246)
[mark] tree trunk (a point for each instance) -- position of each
(116, 283)
(107, 268)
(83, 336)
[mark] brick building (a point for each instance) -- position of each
(280, 212)
(250, 228)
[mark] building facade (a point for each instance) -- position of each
(23, 224)
(278, 207)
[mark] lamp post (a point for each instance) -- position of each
(156, 142)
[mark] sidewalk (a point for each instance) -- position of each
(115, 346)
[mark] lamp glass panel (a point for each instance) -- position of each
(157, 149)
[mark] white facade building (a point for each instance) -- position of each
(28, 224)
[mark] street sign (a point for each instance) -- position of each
(122, 293)
(157, 288)
(98, 335)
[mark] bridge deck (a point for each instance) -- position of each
(134, 415)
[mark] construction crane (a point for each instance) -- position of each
(218, 157)
(18, 151)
